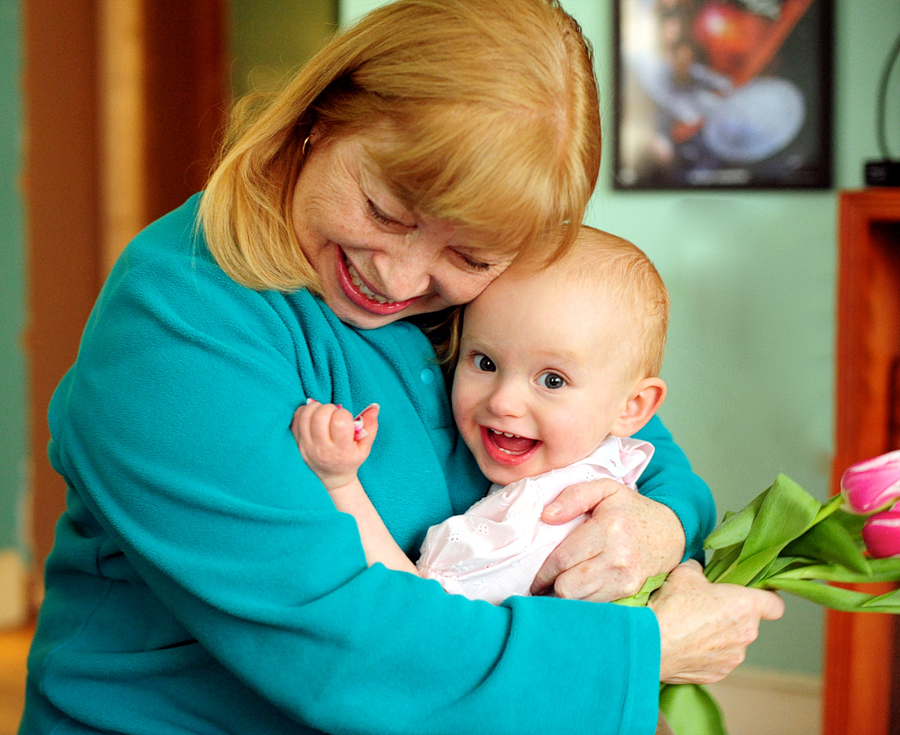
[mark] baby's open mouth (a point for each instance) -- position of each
(507, 448)
(510, 443)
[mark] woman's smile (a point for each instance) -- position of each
(361, 294)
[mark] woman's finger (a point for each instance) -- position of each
(578, 499)
(584, 543)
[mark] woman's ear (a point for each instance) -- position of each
(315, 134)
(644, 400)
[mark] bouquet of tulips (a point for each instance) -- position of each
(787, 540)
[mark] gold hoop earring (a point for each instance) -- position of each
(305, 148)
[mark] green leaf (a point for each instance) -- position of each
(831, 506)
(787, 512)
(884, 570)
(735, 526)
(641, 597)
(746, 570)
(880, 570)
(852, 522)
(830, 541)
(887, 603)
(786, 563)
(837, 598)
(690, 710)
(721, 562)
(822, 594)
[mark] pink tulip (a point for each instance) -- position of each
(873, 484)
(882, 534)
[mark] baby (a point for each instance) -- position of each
(556, 369)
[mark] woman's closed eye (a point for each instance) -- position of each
(553, 381)
(472, 263)
(383, 218)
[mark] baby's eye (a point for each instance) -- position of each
(552, 381)
(484, 363)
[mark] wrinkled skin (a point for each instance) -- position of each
(626, 539)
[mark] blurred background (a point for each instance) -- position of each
(109, 115)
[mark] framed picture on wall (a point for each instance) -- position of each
(724, 94)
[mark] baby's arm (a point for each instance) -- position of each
(334, 447)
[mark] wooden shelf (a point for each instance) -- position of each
(861, 672)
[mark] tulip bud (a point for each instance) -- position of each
(881, 533)
(873, 484)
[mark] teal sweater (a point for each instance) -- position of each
(202, 580)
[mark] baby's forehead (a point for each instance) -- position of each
(592, 284)
(556, 296)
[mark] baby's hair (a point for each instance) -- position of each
(602, 261)
(605, 261)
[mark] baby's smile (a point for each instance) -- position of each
(506, 448)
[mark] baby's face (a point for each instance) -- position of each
(541, 375)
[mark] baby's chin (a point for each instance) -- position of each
(505, 477)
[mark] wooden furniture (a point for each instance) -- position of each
(862, 669)
(123, 103)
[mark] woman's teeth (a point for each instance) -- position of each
(363, 288)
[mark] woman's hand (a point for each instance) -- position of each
(705, 628)
(330, 441)
(627, 539)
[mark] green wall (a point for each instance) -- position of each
(752, 279)
(13, 433)
(269, 38)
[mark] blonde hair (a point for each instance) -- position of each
(485, 114)
(601, 261)
(618, 267)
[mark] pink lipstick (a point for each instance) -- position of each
(359, 298)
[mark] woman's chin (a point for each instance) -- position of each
(356, 316)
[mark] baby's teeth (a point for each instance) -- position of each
(505, 433)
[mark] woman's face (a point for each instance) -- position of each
(378, 260)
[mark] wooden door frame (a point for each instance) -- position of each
(74, 220)
(859, 677)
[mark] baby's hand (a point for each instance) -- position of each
(332, 442)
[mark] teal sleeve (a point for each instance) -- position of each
(202, 580)
(669, 480)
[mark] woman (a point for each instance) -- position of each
(202, 580)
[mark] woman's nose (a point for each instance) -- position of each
(404, 275)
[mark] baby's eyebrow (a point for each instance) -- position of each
(565, 359)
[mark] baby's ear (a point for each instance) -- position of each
(644, 400)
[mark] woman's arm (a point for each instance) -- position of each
(670, 480)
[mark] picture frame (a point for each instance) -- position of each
(722, 94)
